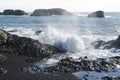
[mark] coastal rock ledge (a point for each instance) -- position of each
(50, 12)
(97, 14)
(13, 44)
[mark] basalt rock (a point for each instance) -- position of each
(69, 65)
(97, 14)
(13, 44)
(2, 58)
(110, 78)
(3, 71)
(107, 45)
(38, 32)
(49, 12)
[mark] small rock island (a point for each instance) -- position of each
(97, 14)
(50, 12)
(13, 12)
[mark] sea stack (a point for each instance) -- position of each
(14, 12)
(49, 12)
(97, 14)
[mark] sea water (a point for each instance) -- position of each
(71, 33)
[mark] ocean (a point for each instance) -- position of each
(72, 33)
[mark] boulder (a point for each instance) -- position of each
(3, 71)
(97, 14)
(13, 44)
(38, 32)
(107, 45)
(2, 58)
(14, 12)
(49, 12)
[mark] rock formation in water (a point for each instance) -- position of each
(49, 12)
(14, 12)
(97, 14)
(13, 44)
(107, 45)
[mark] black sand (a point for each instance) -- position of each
(14, 63)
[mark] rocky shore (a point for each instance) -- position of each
(18, 55)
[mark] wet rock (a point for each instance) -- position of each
(31, 60)
(97, 14)
(2, 58)
(98, 44)
(110, 78)
(3, 36)
(3, 71)
(107, 45)
(33, 69)
(49, 12)
(13, 44)
(69, 65)
(38, 32)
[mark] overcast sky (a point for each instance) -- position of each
(70, 5)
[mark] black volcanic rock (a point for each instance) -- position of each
(107, 45)
(38, 32)
(97, 14)
(110, 78)
(13, 44)
(49, 12)
(69, 65)
(14, 12)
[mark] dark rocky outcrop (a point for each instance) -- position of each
(3, 71)
(97, 14)
(8, 12)
(14, 12)
(38, 32)
(49, 12)
(13, 44)
(107, 45)
(2, 58)
(70, 65)
(110, 78)
(19, 12)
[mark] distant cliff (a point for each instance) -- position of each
(49, 12)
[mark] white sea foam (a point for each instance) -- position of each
(60, 39)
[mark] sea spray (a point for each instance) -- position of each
(60, 39)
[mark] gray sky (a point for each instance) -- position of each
(70, 5)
